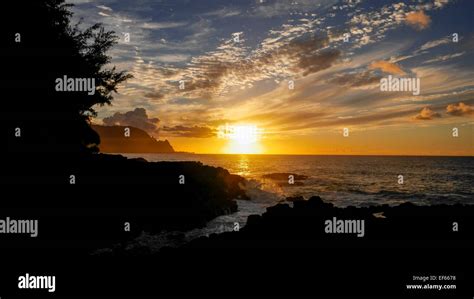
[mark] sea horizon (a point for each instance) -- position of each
(325, 155)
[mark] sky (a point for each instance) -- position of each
(293, 77)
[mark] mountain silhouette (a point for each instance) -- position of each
(117, 139)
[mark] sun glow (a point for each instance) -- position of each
(243, 139)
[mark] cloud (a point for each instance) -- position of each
(434, 43)
(460, 109)
(248, 79)
(386, 67)
(427, 114)
(162, 25)
(231, 65)
(186, 101)
(103, 7)
(418, 20)
(154, 96)
(356, 79)
(193, 132)
(268, 9)
(78, 2)
(224, 12)
(170, 58)
(307, 55)
(440, 3)
(312, 63)
(444, 57)
(137, 118)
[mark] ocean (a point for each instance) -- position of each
(342, 180)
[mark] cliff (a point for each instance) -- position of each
(113, 140)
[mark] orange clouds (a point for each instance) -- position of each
(387, 67)
(419, 20)
(427, 114)
(460, 109)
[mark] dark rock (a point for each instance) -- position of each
(110, 190)
(406, 224)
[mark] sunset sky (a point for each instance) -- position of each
(238, 59)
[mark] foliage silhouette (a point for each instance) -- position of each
(50, 48)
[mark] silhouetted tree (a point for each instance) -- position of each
(51, 47)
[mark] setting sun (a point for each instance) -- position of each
(243, 139)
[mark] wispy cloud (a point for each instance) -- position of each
(103, 7)
(161, 25)
(224, 12)
(387, 67)
(434, 43)
(193, 132)
(442, 58)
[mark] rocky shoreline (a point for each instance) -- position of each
(306, 224)
(110, 191)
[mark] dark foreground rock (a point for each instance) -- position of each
(86, 202)
(305, 225)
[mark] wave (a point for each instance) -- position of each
(284, 176)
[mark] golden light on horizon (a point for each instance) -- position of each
(243, 138)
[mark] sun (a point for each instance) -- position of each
(243, 138)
